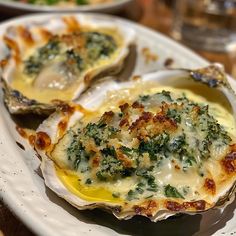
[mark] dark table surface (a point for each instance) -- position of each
(144, 12)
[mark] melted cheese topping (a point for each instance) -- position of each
(169, 176)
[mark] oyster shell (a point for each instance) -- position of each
(187, 180)
(54, 61)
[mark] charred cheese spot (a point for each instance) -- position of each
(87, 78)
(229, 163)
(31, 140)
(136, 78)
(62, 125)
(210, 186)
(25, 34)
(95, 161)
(3, 63)
(21, 132)
(107, 116)
(124, 122)
(14, 47)
(174, 206)
(124, 159)
(67, 109)
(166, 122)
(72, 23)
(140, 122)
(42, 141)
(195, 205)
(137, 105)
(45, 34)
(124, 107)
(177, 167)
(147, 208)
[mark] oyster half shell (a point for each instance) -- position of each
(55, 61)
(178, 156)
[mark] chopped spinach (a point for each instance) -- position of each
(144, 98)
(116, 195)
(177, 144)
(76, 153)
(131, 195)
(174, 114)
(88, 181)
(127, 151)
(154, 145)
(97, 46)
(171, 191)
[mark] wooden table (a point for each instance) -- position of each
(145, 12)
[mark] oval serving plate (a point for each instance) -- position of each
(17, 7)
(25, 193)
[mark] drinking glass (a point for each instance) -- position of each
(206, 24)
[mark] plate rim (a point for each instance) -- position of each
(35, 8)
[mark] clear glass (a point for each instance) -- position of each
(205, 24)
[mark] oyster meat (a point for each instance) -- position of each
(56, 61)
(156, 147)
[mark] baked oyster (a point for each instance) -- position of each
(55, 61)
(155, 147)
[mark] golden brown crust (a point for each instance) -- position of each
(107, 117)
(71, 23)
(147, 208)
(137, 105)
(12, 44)
(189, 206)
(124, 122)
(95, 161)
(3, 63)
(62, 125)
(124, 159)
(124, 107)
(229, 162)
(25, 35)
(210, 186)
(42, 141)
(45, 34)
(31, 140)
(21, 132)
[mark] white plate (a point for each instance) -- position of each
(46, 214)
(26, 7)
